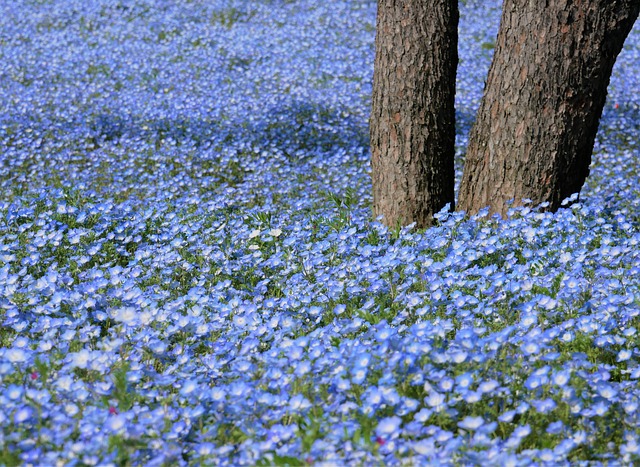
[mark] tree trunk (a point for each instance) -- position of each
(413, 110)
(547, 85)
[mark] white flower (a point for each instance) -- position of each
(254, 234)
(275, 232)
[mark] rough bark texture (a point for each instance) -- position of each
(413, 113)
(547, 85)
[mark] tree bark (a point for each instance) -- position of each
(413, 110)
(546, 88)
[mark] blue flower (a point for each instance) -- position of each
(22, 415)
(471, 423)
(388, 427)
(555, 428)
(544, 406)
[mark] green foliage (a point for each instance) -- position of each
(121, 392)
(273, 459)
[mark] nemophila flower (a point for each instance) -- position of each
(189, 387)
(299, 402)
(561, 378)
(471, 423)
(544, 406)
(339, 309)
(80, 359)
(530, 348)
(522, 408)
(631, 446)
(424, 447)
(607, 391)
(14, 392)
(536, 380)
(630, 407)
(624, 355)
(521, 431)
(342, 384)
(459, 356)
(555, 428)
(362, 360)
(23, 415)
(446, 384)
(422, 415)
(71, 409)
(116, 423)
(126, 315)
(358, 375)
(388, 427)
(16, 355)
(507, 416)
(464, 380)
(304, 367)
(471, 397)
(436, 401)
(390, 395)
(159, 185)
(218, 394)
(488, 386)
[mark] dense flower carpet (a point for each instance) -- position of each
(190, 272)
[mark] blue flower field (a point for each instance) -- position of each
(190, 272)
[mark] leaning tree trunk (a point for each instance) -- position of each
(413, 113)
(547, 85)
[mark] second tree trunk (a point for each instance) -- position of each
(546, 88)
